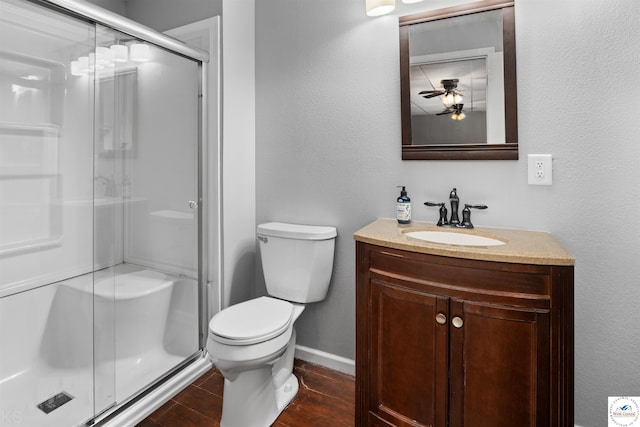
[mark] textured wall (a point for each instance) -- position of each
(328, 152)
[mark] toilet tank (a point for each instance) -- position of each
(297, 260)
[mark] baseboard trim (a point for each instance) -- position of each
(328, 360)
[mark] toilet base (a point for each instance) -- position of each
(286, 393)
(252, 401)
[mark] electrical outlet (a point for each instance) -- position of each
(540, 169)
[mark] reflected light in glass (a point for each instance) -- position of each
(139, 52)
(75, 68)
(83, 64)
(119, 52)
(380, 7)
(92, 63)
(20, 90)
(32, 77)
(104, 56)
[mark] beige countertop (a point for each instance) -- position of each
(521, 246)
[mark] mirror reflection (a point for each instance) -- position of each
(458, 78)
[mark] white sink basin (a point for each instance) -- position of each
(454, 238)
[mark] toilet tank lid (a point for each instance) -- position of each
(297, 231)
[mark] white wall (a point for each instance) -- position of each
(238, 150)
(328, 152)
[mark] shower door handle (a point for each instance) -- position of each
(193, 204)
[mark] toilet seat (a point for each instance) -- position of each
(252, 321)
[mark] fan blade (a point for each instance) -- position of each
(447, 111)
(431, 93)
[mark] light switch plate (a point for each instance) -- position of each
(540, 171)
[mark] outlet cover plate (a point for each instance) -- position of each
(540, 171)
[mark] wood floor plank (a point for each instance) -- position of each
(325, 398)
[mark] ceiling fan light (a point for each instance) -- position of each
(457, 98)
(379, 7)
(449, 98)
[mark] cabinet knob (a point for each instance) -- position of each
(441, 319)
(457, 322)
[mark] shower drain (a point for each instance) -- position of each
(53, 403)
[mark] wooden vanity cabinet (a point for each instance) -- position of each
(455, 342)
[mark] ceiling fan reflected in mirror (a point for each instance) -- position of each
(449, 89)
(455, 110)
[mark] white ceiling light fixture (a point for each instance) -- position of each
(120, 53)
(75, 68)
(139, 52)
(411, 1)
(83, 65)
(380, 7)
(104, 56)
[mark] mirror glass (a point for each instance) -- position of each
(458, 83)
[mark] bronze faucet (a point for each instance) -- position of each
(455, 221)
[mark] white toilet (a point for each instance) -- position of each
(253, 343)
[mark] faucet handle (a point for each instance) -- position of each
(476, 206)
(466, 215)
(443, 213)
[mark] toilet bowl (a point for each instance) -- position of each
(258, 368)
(253, 343)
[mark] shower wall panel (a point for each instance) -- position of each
(46, 172)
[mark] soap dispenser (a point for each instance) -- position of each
(403, 207)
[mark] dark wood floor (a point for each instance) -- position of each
(325, 398)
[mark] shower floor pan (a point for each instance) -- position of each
(21, 393)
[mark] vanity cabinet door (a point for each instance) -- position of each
(499, 365)
(409, 352)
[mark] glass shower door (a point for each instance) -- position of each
(46, 211)
(145, 213)
(98, 215)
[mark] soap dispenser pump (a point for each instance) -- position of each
(403, 207)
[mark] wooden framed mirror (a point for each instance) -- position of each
(458, 83)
